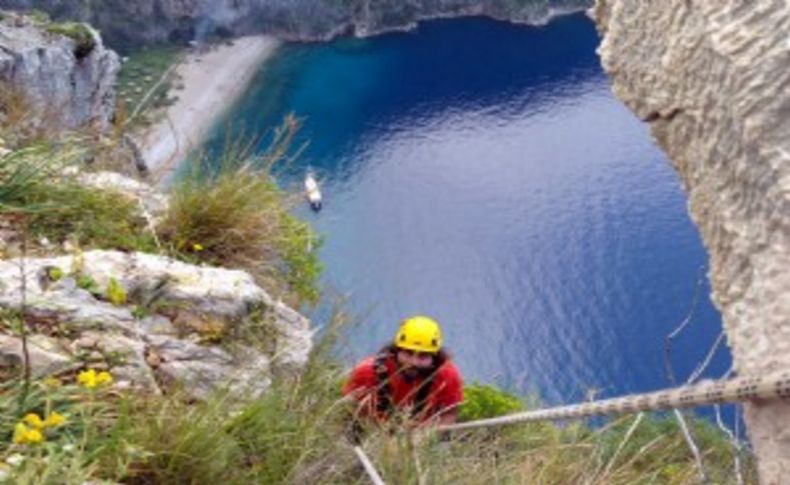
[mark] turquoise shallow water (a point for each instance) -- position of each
(484, 174)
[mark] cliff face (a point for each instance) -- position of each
(712, 80)
(67, 81)
(160, 20)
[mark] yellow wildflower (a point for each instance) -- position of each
(197, 247)
(91, 379)
(103, 378)
(54, 420)
(27, 436)
(34, 420)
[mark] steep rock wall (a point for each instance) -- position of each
(160, 20)
(712, 79)
(64, 85)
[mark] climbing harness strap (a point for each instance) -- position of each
(383, 390)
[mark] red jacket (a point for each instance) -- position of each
(446, 390)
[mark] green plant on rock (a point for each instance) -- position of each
(60, 208)
(234, 215)
(55, 273)
(80, 33)
(39, 16)
(116, 293)
(486, 401)
(86, 282)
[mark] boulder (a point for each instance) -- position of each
(63, 82)
(177, 326)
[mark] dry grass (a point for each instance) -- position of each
(234, 215)
(296, 433)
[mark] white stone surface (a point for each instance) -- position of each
(713, 81)
(149, 351)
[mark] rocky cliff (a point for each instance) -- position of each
(169, 323)
(63, 71)
(159, 20)
(711, 79)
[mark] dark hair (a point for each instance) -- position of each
(439, 358)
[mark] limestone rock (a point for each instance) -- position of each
(203, 370)
(66, 87)
(145, 351)
(153, 203)
(46, 356)
(712, 80)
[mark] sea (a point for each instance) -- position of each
(484, 174)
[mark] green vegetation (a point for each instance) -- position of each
(486, 401)
(116, 294)
(296, 433)
(79, 429)
(58, 207)
(78, 32)
(235, 216)
(39, 16)
(142, 71)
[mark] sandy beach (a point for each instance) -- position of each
(213, 80)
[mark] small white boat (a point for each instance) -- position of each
(312, 191)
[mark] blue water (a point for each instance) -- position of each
(484, 174)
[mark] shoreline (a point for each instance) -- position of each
(213, 80)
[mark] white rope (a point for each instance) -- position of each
(369, 468)
(771, 386)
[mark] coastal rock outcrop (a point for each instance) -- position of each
(155, 322)
(162, 20)
(63, 72)
(711, 79)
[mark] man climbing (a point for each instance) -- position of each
(413, 377)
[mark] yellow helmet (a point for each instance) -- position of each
(421, 334)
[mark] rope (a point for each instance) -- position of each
(771, 386)
(369, 468)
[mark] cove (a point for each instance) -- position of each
(484, 174)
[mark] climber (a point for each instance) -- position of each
(412, 377)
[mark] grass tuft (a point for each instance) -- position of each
(235, 216)
(84, 41)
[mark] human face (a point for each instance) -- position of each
(411, 362)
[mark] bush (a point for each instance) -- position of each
(79, 33)
(487, 401)
(236, 216)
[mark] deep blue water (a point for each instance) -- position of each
(484, 174)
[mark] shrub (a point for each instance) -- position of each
(487, 401)
(235, 215)
(84, 41)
